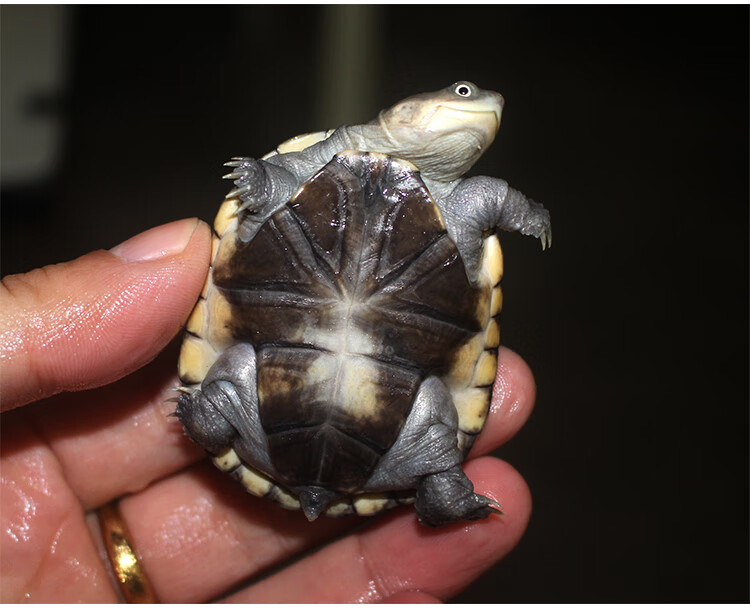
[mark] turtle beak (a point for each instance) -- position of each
(449, 119)
(492, 102)
(499, 104)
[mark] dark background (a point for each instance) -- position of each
(629, 123)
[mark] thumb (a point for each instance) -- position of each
(93, 320)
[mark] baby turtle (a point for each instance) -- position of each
(342, 355)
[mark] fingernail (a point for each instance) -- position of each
(169, 239)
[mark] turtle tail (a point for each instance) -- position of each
(315, 500)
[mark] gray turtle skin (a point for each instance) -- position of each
(347, 313)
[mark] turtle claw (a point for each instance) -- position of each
(448, 497)
(239, 162)
(185, 390)
(239, 191)
(536, 223)
(249, 179)
(244, 206)
(546, 237)
(492, 504)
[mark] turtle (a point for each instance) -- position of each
(342, 354)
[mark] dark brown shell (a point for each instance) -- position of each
(352, 294)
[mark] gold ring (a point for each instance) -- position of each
(129, 573)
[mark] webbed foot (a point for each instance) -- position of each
(261, 186)
(250, 183)
(447, 497)
(203, 422)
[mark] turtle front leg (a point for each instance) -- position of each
(482, 205)
(491, 204)
(262, 187)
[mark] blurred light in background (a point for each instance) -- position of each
(33, 62)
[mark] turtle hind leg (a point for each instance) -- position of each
(426, 457)
(315, 500)
(448, 496)
(224, 412)
(203, 423)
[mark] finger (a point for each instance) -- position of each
(200, 536)
(119, 438)
(397, 554)
(46, 552)
(410, 598)
(513, 397)
(90, 321)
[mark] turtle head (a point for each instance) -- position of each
(443, 132)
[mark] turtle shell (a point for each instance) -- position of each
(299, 143)
(352, 294)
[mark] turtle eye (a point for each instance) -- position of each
(463, 90)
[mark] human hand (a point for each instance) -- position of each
(91, 326)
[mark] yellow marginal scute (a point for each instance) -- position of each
(219, 313)
(484, 374)
(492, 335)
(472, 406)
(475, 367)
(207, 284)
(283, 498)
(465, 362)
(226, 217)
(496, 302)
(227, 460)
(253, 481)
(197, 324)
(196, 358)
(340, 508)
(224, 254)
(492, 260)
(370, 504)
(299, 143)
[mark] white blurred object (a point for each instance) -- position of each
(32, 75)
(349, 64)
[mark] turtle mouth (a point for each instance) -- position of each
(495, 112)
(452, 118)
